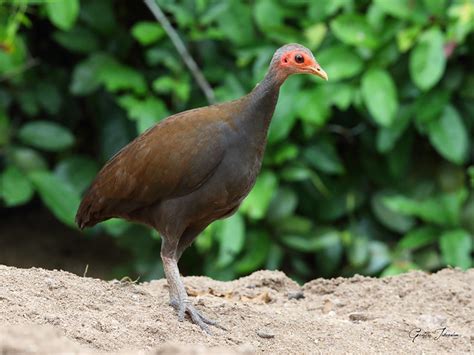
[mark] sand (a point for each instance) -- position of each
(55, 312)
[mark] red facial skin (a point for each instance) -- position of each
(307, 66)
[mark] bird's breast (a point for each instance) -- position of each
(239, 170)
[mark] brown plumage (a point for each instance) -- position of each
(191, 169)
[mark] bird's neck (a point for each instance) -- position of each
(262, 101)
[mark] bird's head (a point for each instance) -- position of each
(296, 59)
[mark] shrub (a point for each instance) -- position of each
(368, 173)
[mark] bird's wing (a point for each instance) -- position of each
(172, 159)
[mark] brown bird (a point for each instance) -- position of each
(191, 169)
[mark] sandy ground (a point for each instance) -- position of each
(52, 312)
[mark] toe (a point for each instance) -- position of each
(210, 321)
(202, 320)
(196, 316)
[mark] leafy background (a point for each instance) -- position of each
(368, 173)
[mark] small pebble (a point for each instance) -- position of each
(267, 334)
(357, 317)
(295, 295)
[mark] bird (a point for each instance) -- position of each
(191, 169)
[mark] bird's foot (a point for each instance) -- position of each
(196, 316)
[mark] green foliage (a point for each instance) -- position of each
(371, 172)
(427, 60)
(57, 195)
(456, 247)
(380, 96)
(63, 13)
(449, 136)
(147, 32)
(16, 188)
(46, 135)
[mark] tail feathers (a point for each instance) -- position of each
(89, 211)
(83, 215)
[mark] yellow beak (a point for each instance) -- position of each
(318, 71)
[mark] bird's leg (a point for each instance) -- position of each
(178, 296)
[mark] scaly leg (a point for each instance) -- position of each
(179, 298)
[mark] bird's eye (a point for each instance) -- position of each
(299, 58)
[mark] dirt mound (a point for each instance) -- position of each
(48, 312)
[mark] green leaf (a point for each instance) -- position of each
(236, 23)
(100, 16)
(294, 225)
(282, 205)
(398, 8)
(296, 173)
(13, 60)
(257, 249)
(456, 248)
(79, 39)
(428, 106)
(320, 10)
(46, 135)
(379, 257)
(340, 62)
(48, 97)
(205, 241)
(166, 84)
(57, 195)
(147, 32)
(407, 37)
(315, 35)
(418, 238)
(358, 251)
(443, 209)
(101, 68)
(323, 156)
(16, 189)
(449, 136)
(398, 268)
(340, 94)
(284, 153)
(27, 159)
(427, 59)
(274, 257)
(77, 171)
(231, 236)
(319, 240)
(428, 259)
(116, 76)
(353, 29)
(28, 102)
(63, 13)
(257, 202)
(285, 116)
(116, 226)
(387, 137)
(391, 219)
(436, 7)
(380, 96)
(85, 76)
(268, 15)
(146, 112)
(313, 106)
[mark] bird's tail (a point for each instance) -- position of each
(86, 215)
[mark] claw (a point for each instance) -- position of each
(178, 296)
(196, 316)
